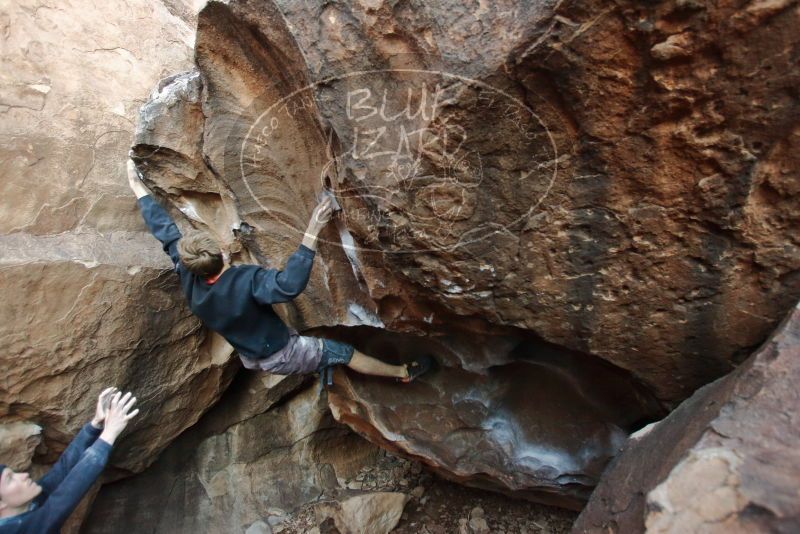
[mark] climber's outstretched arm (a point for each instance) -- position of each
(138, 187)
(319, 218)
(155, 217)
(271, 286)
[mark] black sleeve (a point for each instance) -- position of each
(71, 455)
(61, 503)
(161, 226)
(271, 286)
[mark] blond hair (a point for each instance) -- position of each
(200, 254)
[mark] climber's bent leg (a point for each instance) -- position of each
(368, 365)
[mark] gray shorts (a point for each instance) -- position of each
(302, 355)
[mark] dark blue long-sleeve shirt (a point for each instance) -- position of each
(63, 486)
(237, 305)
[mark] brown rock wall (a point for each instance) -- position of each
(609, 180)
(528, 189)
(88, 297)
(724, 461)
(652, 188)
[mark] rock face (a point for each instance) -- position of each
(725, 461)
(541, 425)
(88, 300)
(376, 513)
(19, 440)
(584, 210)
(267, 447)
(529, 190)
(570, 176)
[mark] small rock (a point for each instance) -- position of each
(477, 512)
(679, 45)
(376, 513)
(478, 525)
(327, 477)
(328, 527)
(690, 4)
(418, 492)
(259, 527)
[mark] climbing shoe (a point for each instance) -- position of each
(418, 367)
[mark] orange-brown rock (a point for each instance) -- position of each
(541, 425)
(17, 443)
(656, 190)
(374, 512)
(725, 461)
(88, 298)
(526, 188)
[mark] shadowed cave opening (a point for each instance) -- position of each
(507, 412)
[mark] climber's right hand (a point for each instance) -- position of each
(118, 413)
(138, 188)
(322, 213)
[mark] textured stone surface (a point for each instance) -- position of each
(542, 426)
(248, 459)
(17, 443)
(376, 512)
(526, 185)
(656, 192)
(725, 461)
(57, 365)
(88, 300)
(556, 181)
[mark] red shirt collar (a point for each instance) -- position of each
(211, 280)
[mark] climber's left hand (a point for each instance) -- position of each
(138, 188)
(102, 407)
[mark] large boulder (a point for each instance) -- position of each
(566, 176)
(542, 424)
(88, 297)
(377, 512)
(528, 190)
(17, 443)
(725, 461)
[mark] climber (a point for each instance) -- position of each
(235, 301)
(43, 506)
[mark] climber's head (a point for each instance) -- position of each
(200, 254)
(17, 490)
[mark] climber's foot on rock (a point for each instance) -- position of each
(418, 367)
